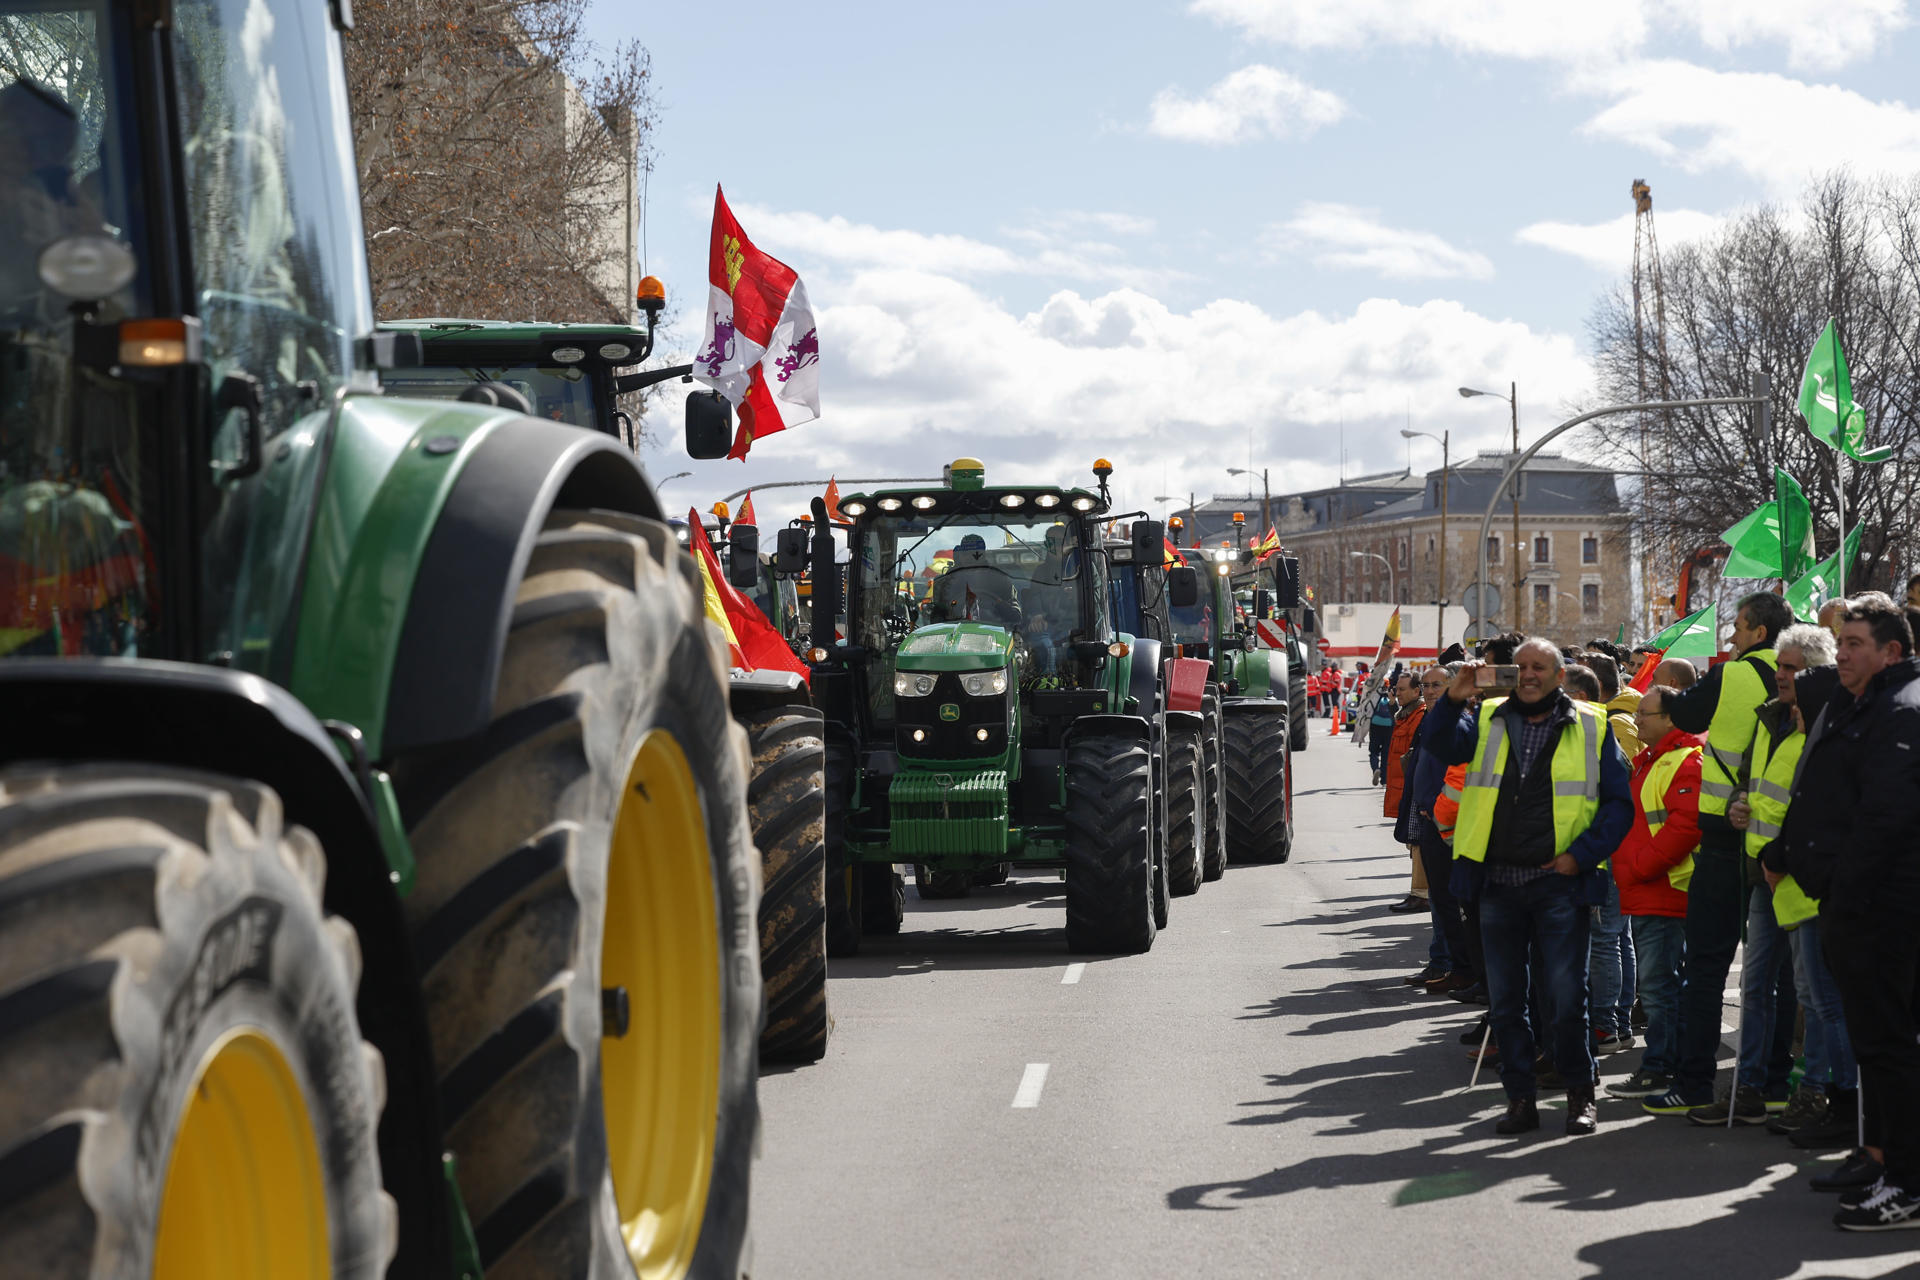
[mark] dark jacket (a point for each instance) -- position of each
(1453, 732)
(1417, 797)
(1849, 837)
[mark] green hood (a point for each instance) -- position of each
(955, 646)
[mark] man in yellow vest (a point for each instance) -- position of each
(1821, 1112)
(1725, 707)
(1545, 801)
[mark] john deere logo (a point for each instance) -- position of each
(949, 711)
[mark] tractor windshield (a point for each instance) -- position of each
(564, 393)
(76, 471)
(1025, 573)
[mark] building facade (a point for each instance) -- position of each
(1379, 539)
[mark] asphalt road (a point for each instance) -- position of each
(1260, 1095)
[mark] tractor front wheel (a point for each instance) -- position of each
(1186, 827)
(1213, 862)
(1259, 783)
(184, 1090)
(935, 886)
(1109, 846)
(883, 900)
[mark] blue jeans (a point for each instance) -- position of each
(1766, 1000)
(1660, 945)
(1379, 738)
(1538, 919)
(1829, 1051)
(1611, 987)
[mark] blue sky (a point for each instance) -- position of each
(1170, 232)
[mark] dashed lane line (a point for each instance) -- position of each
(1032, 1081)
(1072, 975)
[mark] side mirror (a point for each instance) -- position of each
(709, 425)
(743, 559)
(1149, 539)
(1286, 581)
(1183, 586)
(1262, 604)
(790, 552)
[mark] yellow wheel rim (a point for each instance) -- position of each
(660, 1082)
(244, 1194)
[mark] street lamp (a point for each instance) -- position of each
(675, 476)
(1440, 626)
(1375, 555)
(1513, 402)
(1266, 494)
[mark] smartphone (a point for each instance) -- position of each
(1497, 677)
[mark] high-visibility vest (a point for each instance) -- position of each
(1446, 805)
(1768, 792)
(1575, 766)
(1653, 803)
(1730, 732)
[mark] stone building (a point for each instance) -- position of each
(1376, 538)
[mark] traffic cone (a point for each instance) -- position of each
(1334, 732)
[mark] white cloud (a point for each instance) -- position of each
(920, 366)
(1254, 102)
(1777, 129)
(1340, 235)
(1059, 250)
(1814, 33)
(1609, 245)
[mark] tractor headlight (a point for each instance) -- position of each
(912, 684)
(984, 684)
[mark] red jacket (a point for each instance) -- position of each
(1642, 861)
(1404, 729)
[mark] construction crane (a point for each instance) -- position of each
(1649, 310)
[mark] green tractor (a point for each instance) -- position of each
(1256, 700)
(377, 895)
(1268, 593)
(984, 710)
(572, 373)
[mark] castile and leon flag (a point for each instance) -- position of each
(761, 350)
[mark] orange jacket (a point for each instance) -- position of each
(1404, 730)
(1642, 861)
(1446, 806)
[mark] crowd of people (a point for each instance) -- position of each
(1592, 855)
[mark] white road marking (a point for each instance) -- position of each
(1032, 1081)
(1072, 975)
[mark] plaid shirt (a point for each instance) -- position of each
(1532, 743)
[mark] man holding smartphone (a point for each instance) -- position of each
(1546, 801)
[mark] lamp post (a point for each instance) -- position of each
(1513, 402)
(675, 476)
(1266, 495)
(1440, 591)
(1375, 555)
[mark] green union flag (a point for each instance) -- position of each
(1826, 401)
(1756, 545)
(1815, 587)
(1796, 525)
(1695, 636)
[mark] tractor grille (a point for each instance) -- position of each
(956, 739)
(947, 813)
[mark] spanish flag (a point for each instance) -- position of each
(1269, 544)
(752, 643)
(746, 515)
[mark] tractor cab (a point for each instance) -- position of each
(565, 372)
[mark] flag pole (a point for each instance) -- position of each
(1840, 504)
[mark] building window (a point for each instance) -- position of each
(1403, 551)
(1589, 550)
(1542, 596)
(1430, 545)
(1543, 549)
(1493, 548)
(1366, 594)
(1589, 596)
(1406, 594)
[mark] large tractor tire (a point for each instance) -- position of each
(1186, 804)
(844, 888)
(935, 886)
(1109, 847)
(1213, 861)
(883, 900)
(998, 873)
(785, 801)
(1259, 807)
(584, 917)
(184, 1090)
(1298, 729)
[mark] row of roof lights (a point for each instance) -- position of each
(1012, 501)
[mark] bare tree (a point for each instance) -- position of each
(499, 152)
(1754, 297)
